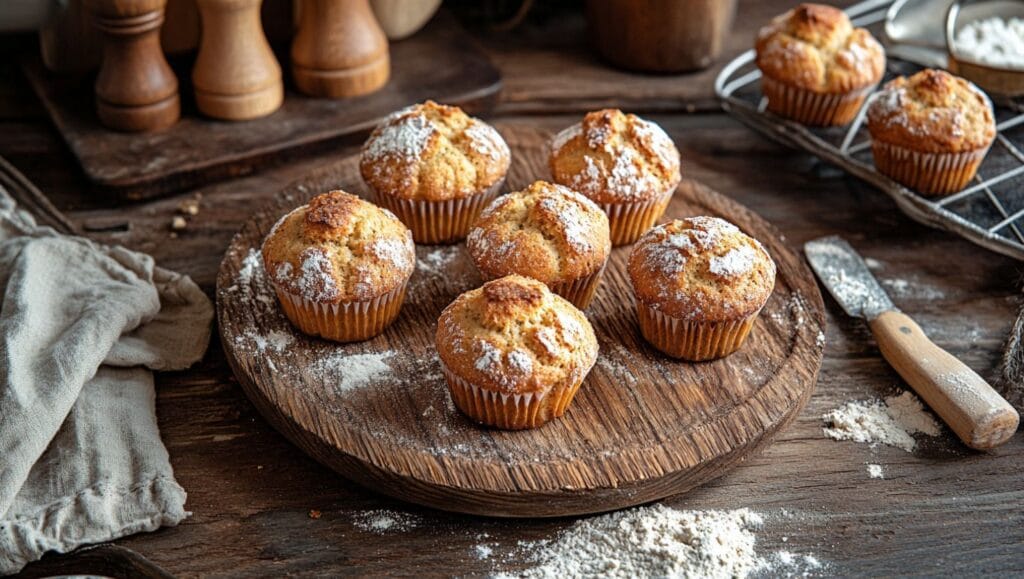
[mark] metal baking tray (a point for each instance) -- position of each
(989, 212)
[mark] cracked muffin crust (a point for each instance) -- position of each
(816, 67)
(334, 252)
(547, 232)
(700, 283)
(514, 353)
(625, 164)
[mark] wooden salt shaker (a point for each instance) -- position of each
(339, 49)
(236, 76)
(135, 89)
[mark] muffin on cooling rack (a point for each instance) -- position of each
(627, 165)
(436, 168)
(816, 68)
(931, 131)
(340, 266)
(700, 284)
(513, 353)
(547, 232)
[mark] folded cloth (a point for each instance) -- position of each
(82, 326)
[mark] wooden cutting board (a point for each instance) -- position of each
(440, 62)
(642, 427)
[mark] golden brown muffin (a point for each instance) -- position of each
(625, 164)
(547, 232)
(817, 68)
(513, 353)
(931, 131)
(435, 167)
(700, 283)
(340, 266)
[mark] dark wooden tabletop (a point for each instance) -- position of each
(260, 507)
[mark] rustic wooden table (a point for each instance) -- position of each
(943, 510)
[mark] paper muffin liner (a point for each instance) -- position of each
(629, 220)
(691, 340)
(343, 321)
(509, 411)
(434, 222)
(813, 108)
(934, 174)
(579, 291)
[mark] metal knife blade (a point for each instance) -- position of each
(841, 270)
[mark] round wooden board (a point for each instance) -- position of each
(642, 427)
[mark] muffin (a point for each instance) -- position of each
(513, 353)
(547, 232)
(339, 266)
(930, 132)
(436, 168)
(699, 283)
(816, 68)
(627, 165)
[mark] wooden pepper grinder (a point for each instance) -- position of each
(135, 89)
(236, 76)
(339, 49)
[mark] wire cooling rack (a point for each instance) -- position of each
(989, 212)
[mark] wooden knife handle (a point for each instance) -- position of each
(964, 400)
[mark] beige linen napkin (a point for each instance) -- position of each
(82, 326)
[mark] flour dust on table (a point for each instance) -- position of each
(659, 541)
(892, 421)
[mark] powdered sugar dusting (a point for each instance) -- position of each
(403, 136)
(565, 136)
(875, 471)
(735, 262)
(485, 140)
(316, 280)
(399, 252)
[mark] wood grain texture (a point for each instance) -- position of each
(941, 511)
(643, 427)
(197, 150)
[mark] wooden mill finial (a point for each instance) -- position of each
(135, 89)
(236, 76)
(339, 49)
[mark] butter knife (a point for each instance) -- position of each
(964, 400)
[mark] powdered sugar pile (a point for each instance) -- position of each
(992, 41)
(348, 372)
(656, 541)
(891, 422)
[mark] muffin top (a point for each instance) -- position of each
(815, 47)
(339, 248)
(546, 231)
(612, 157)
(933, 112)
(701, 269)
(515, 336)
(433, 152)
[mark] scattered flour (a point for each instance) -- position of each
(875, 471)
(353, 371)
(384, 521)
(275, 340)
(483, 551)
(652, 541)
(890, 422)
(437, 260)
(909, 289)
